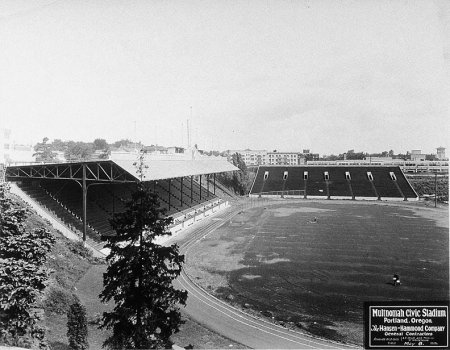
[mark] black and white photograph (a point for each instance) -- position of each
(224, 174)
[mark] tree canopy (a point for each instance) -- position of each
(100, 144)
(22, 275)
(44, 151)
(240, 180)
(78, 151)
(77, 330)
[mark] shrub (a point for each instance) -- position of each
(59, 301)
(425, 185)
(77, 247)
(22, 275)
(77, 331)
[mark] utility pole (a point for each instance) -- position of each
(187, 128)
(135, 141)
(182, 134)
(435, 189)
(84, 187)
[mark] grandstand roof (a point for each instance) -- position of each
(170, 168)
(120, 170)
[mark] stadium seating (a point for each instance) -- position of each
(360, 183)
(221, 190)
(338, 183)
(334, 181)
(56, 208)
(64, 199)
(383, 182)
(403, 183)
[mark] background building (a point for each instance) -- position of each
(417, 155)
(282, 158)
(441, 153)
(264, 157)
(407, 166)
(5, 145)
(11, 152)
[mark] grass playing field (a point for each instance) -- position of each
(316, 274)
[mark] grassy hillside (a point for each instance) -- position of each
(68, 261)
(78, 276)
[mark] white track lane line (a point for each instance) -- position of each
(203, 232)
(303, 344)
(258, 321)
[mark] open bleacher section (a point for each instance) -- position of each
(339, 182)
(182, 199)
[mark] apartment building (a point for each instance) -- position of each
(275, 157)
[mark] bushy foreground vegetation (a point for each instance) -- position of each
(38, 271)
(38, 274)
(23, 275)
(77, 330)
(425, 185)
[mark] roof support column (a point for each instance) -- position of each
(181, 194)
(200, 188)
(192, 191)
(207, 182)
(169, 193)
(113, 201)
(84, 203)
(214, 177)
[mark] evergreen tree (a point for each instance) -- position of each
(22, 275)
(140, 274)
(77, 331)
(239, 180)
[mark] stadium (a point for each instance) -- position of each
(223, 174)
(85, 195)
(295, 259)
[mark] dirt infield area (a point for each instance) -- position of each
(313, 264)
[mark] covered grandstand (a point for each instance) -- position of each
(333, 182)
(85, 195)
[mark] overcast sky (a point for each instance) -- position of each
(323, 75)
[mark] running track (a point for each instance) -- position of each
(230, 321)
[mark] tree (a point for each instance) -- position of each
(239, 180)
(140, 274)
(22, 275)
(78, 151)
(352, 155)
(44, 151)
(331, 157)
(77, 331)
(100, 144)
(123, 143)
(105, 154)
(59, 145)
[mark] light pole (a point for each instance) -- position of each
(435, 189)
